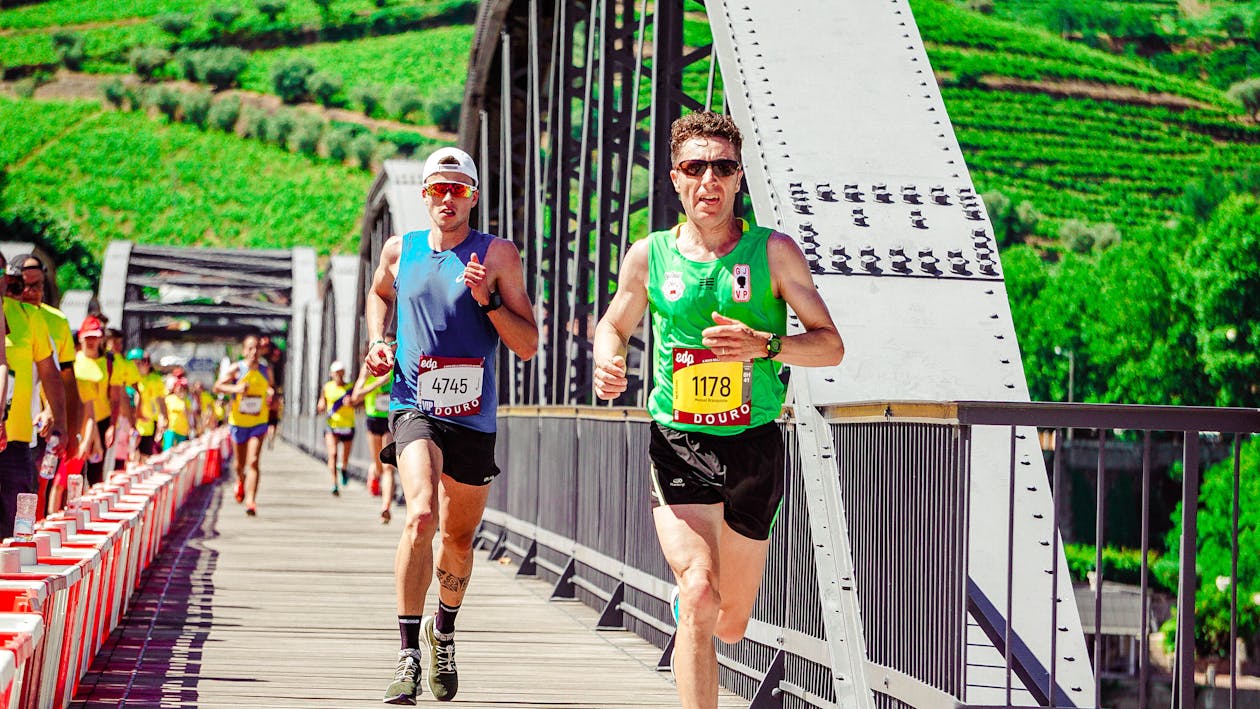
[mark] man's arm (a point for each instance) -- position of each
(221, 385)
(74, 407)
(612, 334)
(50, 380)
(515, 319)
(380, 356)
(819, 346)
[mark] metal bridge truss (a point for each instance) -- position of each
(159, 293)
(568, 108)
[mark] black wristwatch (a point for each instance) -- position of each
(495, 302)
(774, 346)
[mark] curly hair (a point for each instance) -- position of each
(703, 123)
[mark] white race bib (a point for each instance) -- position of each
(450, 386)
(382, 402)
(251, 405)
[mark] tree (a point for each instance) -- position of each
(69, 47)
(145, 61)
(115, 92)
(1247, 94)
(1233, 25)
(289, 76)
(362, 148)
(271, 8)
(444, 106)
(402, 101)
(221, 66)
(1214, 550)
(1224, 285)
(196, 106)
(306, 135)
(224, 114)
(323, 86)
(368, 96)
(174, 23)
(279, 126)
(224, 17)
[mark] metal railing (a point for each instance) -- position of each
(572, 507)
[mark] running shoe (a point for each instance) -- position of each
(374, 487)
(251, 510)
(345, 477)
(443, 679)
(406, 684)
(336, 492)
(674, 605)
(240, 490)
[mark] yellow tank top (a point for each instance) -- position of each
(177, 414)
(343, 416)
(249, 408)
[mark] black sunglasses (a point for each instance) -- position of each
(696, 168)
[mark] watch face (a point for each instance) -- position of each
(774, 345)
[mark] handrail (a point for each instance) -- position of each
(1052, 415)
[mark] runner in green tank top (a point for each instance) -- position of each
(718, 291)
(374, 392)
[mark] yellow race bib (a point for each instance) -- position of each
(709, 392)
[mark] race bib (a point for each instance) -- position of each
(708, 392)
(450, 386)
(382, 402)
(251, 405)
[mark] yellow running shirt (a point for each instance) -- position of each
(59, 330)
(343, 417)
(177, 414)
(249, 408)
(92, 373)
(25, 343)
(151, 388)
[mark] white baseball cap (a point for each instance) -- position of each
(450, 160)
(336, 366)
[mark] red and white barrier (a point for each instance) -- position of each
(65, 590)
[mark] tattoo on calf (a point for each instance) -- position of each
(451, 582)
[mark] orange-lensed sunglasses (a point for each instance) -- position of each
(439, 190)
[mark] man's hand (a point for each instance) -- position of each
(610, 378)
(380, 359)
(109, 437)
(733, 341)
(475, 279)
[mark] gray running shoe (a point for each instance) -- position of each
(406, 684)
(443, 679)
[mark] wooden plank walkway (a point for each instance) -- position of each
(295, 608)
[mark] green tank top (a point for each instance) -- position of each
(693, 391)
(376, 402)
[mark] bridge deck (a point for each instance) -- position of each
(294, 608)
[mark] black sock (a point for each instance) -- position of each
(409, 630)
(444, 621)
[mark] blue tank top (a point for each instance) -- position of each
(445, 360)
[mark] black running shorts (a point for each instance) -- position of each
(744, 473)
(377, 425)
(146, 445)
(467, 455)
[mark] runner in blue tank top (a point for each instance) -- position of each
(458, 292)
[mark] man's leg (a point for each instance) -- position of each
(460, 510)
(743, 564)
(330, 447)
(238, 463)
(375, 442)
(418, 467)
(690, 539)
(253, 451)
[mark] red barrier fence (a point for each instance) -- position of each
(65, 590)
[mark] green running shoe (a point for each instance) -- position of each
(406, 684)
(443, 679)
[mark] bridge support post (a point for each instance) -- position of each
(612, 618)
(564, 585)
(528, 567)
(768, 695)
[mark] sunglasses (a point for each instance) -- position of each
(458, 190)
(696, 168)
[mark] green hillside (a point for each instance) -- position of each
(126, 176)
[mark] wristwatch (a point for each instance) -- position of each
(495, 302)
(774, 346)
